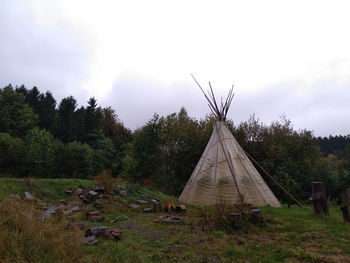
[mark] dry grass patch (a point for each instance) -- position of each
(106, 180)
(24, 237)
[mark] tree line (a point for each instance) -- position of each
(42, 139)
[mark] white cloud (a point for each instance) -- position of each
(250, 43)
(153, 46)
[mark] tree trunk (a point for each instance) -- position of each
(319, 198)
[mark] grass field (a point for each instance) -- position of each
(287, 235)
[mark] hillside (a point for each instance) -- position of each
(286, 235)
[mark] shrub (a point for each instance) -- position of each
(217, 217)
(104, 179)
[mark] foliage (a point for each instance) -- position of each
(79, 158)
(39, 153)
(144, 153)
(114, 129)
(11, 154)
(292, 157)
(334, 145)
(83, 141)
(166, 150)
(16, 117)
(65, 119)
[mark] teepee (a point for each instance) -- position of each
(224, 173)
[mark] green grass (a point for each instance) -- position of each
(288, 234)
(50, 189)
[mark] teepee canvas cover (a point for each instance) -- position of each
(212, 182)
(224, 173)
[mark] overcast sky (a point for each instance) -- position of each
(287, 58)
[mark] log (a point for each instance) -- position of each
(91, 214)
(157, 208)
(148, 210)
(149, 196)
(345, 208)
(236, 219)
(319, 198)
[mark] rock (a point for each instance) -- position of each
(84, 199)
(82, 186)
(180, 208)
(75, 208)
(96, 231)
(123, 193)
(147, 210)
(91, 195)
(97, 218)
(135, 206)
(51, 210)
(75, 203)
(142, 202)
(97, 204)
(28, 196)
(170, 219)
(99, 189)
(68, 192)
(90, 240)
(105, 232)
(78, 191)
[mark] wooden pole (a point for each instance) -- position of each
(229, 163)
(273, 179)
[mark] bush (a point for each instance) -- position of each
(217, 217)
(105, 179)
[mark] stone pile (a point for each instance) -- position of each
(105, 232)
